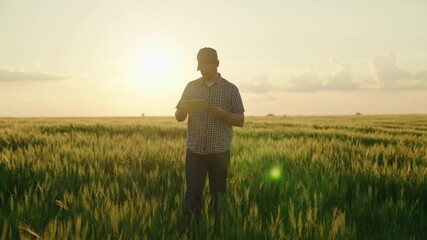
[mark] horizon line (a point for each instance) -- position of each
(272, 115)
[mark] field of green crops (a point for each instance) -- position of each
(343, 177)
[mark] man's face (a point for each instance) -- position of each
(208, 70)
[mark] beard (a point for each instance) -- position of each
(208, 74)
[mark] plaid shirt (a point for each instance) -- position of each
(207, 133)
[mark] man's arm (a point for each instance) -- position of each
(232, 119)
(181, 111)
(181, 114)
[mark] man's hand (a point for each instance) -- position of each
(181, 114)
(232, 119)
(218, 111)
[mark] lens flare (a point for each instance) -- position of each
(275, 173)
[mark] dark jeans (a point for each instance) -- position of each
(196, 168)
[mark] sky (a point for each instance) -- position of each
(75, 58)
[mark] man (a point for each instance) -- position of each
(209, 132)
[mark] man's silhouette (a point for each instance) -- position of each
(209, 131)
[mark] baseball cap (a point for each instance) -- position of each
(206, 55)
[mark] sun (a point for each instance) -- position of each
(156, 64)
(155, 67)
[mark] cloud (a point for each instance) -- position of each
(339, 79)
(307, 82)
(261, 84)
(385, 75)
(9, 74)
(391, 77)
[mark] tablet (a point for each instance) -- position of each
(194, 105)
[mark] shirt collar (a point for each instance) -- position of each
(218, 81)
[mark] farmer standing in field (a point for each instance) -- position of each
(209, 132)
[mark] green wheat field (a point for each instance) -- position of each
(338, 177)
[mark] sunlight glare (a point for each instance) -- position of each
(155, 68)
